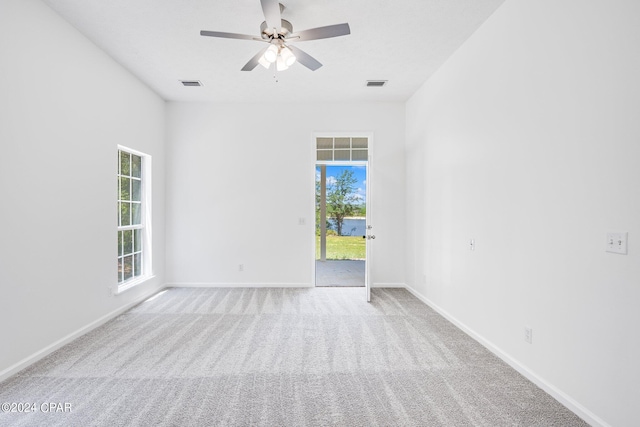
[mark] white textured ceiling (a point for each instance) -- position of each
(402, 41)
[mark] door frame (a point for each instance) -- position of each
(369, 215)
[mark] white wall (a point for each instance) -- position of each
(528, 141)
(240, 176)
(64, 107)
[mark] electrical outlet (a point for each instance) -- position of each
(302, 221)
(472, 245)
(528, 335)
(241, 267)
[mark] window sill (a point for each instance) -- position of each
(131, 283)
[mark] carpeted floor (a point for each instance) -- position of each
(279, 357)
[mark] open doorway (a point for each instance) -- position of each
(341, 226)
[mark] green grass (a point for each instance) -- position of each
(343, 247)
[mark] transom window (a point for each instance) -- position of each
(131, 215)
(336, 149)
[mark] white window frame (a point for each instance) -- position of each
(145, 223)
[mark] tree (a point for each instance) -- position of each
(318, 201)
(341, 201)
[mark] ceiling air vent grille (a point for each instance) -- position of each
(376, 83)
(191, 82)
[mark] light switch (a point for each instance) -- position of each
(617, 243)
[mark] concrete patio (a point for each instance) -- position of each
(340, 273)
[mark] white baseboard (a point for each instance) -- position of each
(264, 285)
(30, 360)
(388, 285)
(557, 394)
(237, 285)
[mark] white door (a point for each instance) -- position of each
(330, 271)
(370, 237)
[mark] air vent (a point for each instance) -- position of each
(376, 83)
(191, 82)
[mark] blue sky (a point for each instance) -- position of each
(360, 172)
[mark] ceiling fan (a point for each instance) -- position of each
(278, 34)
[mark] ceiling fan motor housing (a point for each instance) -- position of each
(266, 32)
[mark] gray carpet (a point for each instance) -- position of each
(279, 357)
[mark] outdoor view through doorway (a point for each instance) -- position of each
(341, 209)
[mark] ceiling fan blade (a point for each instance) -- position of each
(253, 62)
(227, 35)
(305, 59)
(271, 10)
(322, 32)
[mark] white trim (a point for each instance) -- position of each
(132, 151)
(35, 357)
(557, 394)
(342, 162)
(124, 286)
(313, 211)
(368, 280)
(236, 285)
(131, 227)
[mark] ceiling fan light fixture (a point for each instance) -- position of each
(287, 56)
(266, 64)
(281, 65)
(271, 54)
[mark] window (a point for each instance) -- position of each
(342, 149)
(133, 217)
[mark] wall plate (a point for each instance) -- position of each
(617, 242)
